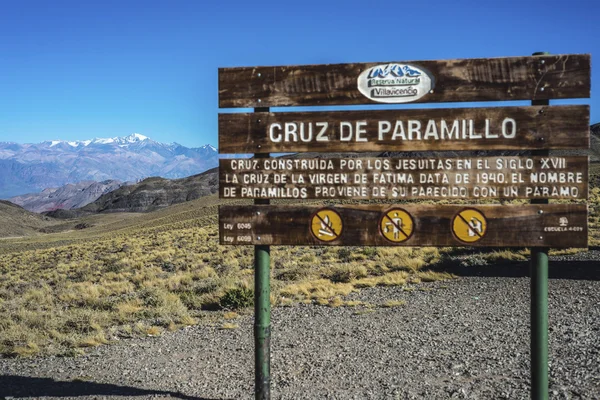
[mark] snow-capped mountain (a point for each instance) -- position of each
(26, 168)
(120, 141)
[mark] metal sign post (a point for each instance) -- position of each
(262, 306)
(539, 323)
(539, 302)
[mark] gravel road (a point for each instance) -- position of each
(465, 339)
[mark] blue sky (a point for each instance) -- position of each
(82, 69)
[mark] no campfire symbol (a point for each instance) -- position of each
(326, 225)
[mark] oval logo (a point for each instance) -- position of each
(395, 83)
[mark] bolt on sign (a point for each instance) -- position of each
(438, 175)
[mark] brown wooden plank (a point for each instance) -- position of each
(478, 79)
(548, 225)
(405, 178)
(547, 127)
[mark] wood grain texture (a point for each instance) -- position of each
(507, 226)
(538, 127)
(406, 178)
(479, 79)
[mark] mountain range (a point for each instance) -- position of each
(68, 197)
(27, 168)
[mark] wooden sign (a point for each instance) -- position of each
(547, 225)
(504, 128)
(480, 79)
(539, 128)
(405, 178)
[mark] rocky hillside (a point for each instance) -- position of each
(28, 168)
(16, 221)
(154, 193)
(66, 197)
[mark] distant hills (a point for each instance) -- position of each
(154, 193)
(66, 197)
(27, 168)
(149, 195)
(17, 221)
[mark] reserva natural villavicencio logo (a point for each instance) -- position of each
(395, 83)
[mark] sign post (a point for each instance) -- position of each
(430, 175)
(539, 323)
(539, 301)
(262, 306)
(262, 321)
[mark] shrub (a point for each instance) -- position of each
(473, 260)
(236, 298)
(370, 252)
(344, 254)
(346, 272)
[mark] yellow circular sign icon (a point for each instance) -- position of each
(326, 225)
(396, 225)
(469, 225)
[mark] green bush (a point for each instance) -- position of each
(237, 298)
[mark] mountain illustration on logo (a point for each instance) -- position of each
(395, 70)
(395, 83)
(408, 71)
(385, 71)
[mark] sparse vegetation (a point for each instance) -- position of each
(230, 315)
(146, 274)
(393, 303)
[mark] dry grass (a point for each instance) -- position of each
(144, 275)
(230, 315)
(54, 300)
(393, 303)
(594, 216)
(363, 312)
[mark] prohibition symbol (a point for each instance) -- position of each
(396, 225)
(326, 225)
(469, 225)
